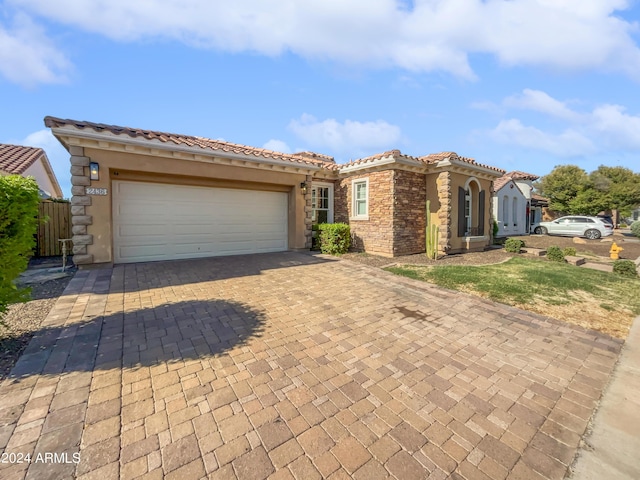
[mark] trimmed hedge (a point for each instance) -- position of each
(626, 268)
(635, 228)
(513, 245)
(569, 252)
(334, 238)
(555, 254)
(18, 225)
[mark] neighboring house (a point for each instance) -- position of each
(140, 195)
(30, 161)
(539, 210)
(516, 208)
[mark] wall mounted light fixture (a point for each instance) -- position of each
(94, 171)
(303, 188)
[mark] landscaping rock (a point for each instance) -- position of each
(579, 240)
(537, 252)
(574, 260)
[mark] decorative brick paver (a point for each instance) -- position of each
(292, 366)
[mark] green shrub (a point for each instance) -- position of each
(569, 252)
(335, 238)
(555, 254)
(496, 229)
(513, 245)
(18, 226)
(635, 228)
(623, 225)
(626, 268)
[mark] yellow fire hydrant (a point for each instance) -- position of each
(614, 251)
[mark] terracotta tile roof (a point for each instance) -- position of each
(518, 175)
(316, 156)
(539, 198)
(501, 182)
(437, 157)
(16, 159)
(390, 153)
(514, 175)
(187, 140)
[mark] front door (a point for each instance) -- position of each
(322, 202)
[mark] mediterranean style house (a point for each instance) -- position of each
(30, 162)
(517, 210)
(140, 195)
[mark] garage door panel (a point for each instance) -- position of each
(162, 222)
(141, 230)
(143, 253)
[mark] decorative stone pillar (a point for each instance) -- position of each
(308, 213)
(491, 219)
(79, 201)
(443, 183)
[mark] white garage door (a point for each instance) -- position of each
(154, 221)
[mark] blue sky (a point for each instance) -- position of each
(518, 84)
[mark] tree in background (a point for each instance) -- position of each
(18, 226)
(619, 188)
(571, 191)
(562, 185)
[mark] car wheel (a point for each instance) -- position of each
(592, 234)
(540, 231)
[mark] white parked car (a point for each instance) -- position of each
(576, 226)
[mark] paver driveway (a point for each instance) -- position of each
(294, 366)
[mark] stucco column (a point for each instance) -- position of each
(79, 203)
(444, 213)
(308, 213)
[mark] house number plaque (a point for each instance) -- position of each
(96, 191)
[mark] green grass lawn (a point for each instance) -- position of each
(555, 289)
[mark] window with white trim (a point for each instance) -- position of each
(322, 203)
(360, 198)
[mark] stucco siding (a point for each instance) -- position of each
(143, 168)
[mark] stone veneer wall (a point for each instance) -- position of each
(409, 213)
(374, 235)
(308, 213)
(444, 213)
(80, 220)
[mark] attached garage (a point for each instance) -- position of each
(141, 195)
(153, 221)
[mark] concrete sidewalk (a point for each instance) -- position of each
(613, 447)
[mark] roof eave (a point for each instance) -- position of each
(67, 133)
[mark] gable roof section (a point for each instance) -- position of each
(518, 175)
(513, 175)
(15, 159)
(453, 157)
(306, 158)
(501, 182)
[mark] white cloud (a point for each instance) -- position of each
(617, 127)
(28, 57)
(277, 146)
(541, 102)
(566, 144)
(605, 127)
(351, 136)
(434, 35)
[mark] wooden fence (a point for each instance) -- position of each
(54, 223)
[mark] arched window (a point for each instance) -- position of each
(471, 208)
(505, 211)
(515, 211)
